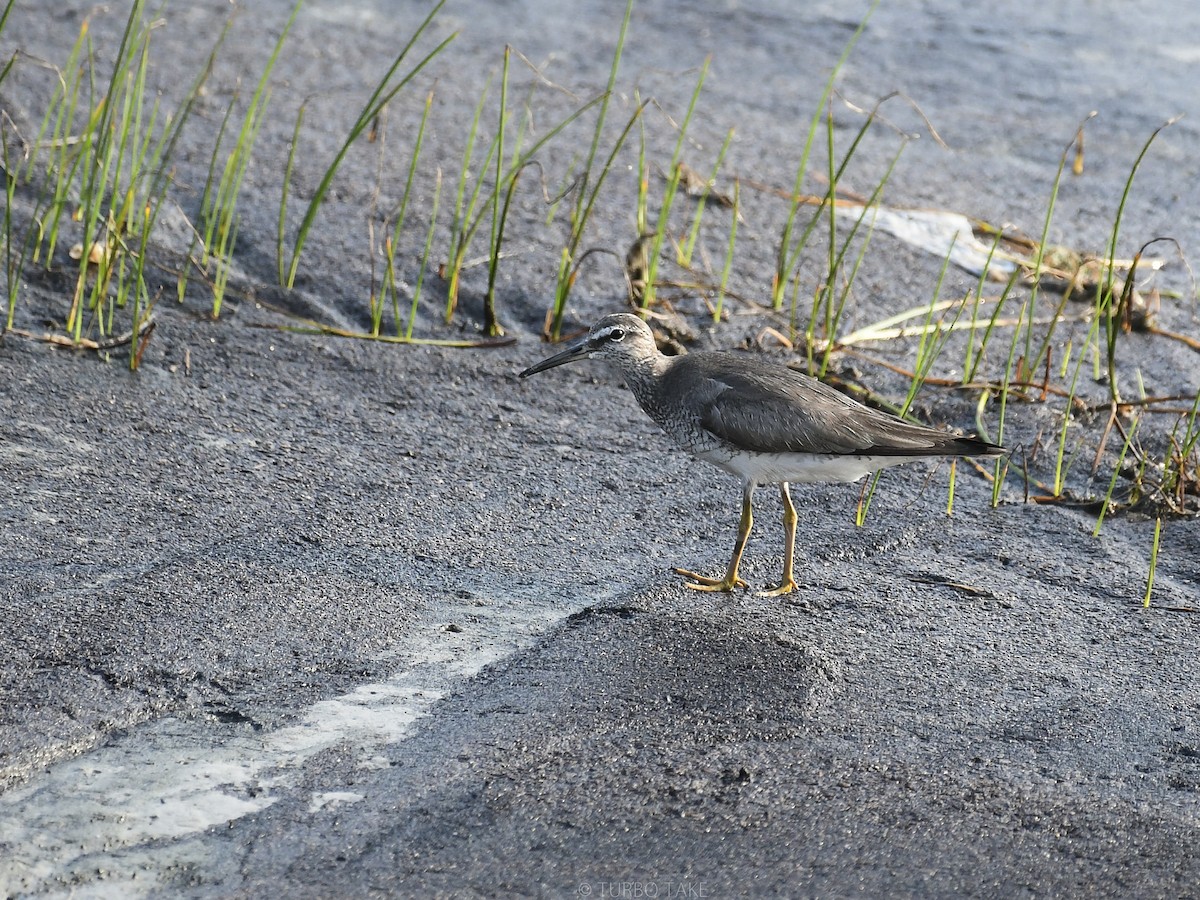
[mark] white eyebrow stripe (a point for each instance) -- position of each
(606, 333)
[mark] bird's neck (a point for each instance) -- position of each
(642, 375)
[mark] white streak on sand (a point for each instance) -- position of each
(116, 821)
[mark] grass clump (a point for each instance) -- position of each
(389, 291)
(674, 173)
(101, 162)
(587, 186)
(388, 87)
(219, 199)
(789, 249)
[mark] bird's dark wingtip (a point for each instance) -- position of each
(973, 445)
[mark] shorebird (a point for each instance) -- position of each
(759, 420)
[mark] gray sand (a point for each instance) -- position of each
(303, 616)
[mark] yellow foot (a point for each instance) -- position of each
(786, 588)
(704, 583)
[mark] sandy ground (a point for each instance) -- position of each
(301, 614)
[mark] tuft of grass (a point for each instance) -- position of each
(469, 216)
(1181, 468)
(642, 218)
(929, 348)
(498, 201)
(827, 206)
(1033, 360)
(54, 134)
(833, 310)
(788, 251)
(1061, 464)
(570, 259)
(585, 190)
(1107, 503)
(673, 176)
(111, 178)
(389, 289)
(1004, 391)
(725, 270)
(387, 88)
(461, 231)
(12, 262)
(108, 207)
(499, 211)
(218, 202)
(689, 245)
(424, 267)
(1105, 289)
(973, 355)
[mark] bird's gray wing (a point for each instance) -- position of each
(776, 409)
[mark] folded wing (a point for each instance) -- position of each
(779, 410)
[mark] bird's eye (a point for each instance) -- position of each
(617, 335)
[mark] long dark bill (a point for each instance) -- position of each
(579, 351)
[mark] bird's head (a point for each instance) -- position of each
(621, 338)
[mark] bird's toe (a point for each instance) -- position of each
(700, 582)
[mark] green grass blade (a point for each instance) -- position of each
(602, 114)
(1153, 563)
(728, 267)
(928, 349)
(1104, 290)
(834, 323)
(1106, 503)
(664, 212)
(11, 265)
(383, 93)
(458, 224)
(281, 233)
(568, 260)
(424, 267)
(786, 254)
(685, 256)
(580, 208)
(401, 214)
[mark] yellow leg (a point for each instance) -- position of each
(731, 580)
(788, 584)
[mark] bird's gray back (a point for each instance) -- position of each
(742, 402)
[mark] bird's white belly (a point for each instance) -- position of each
(799, 468)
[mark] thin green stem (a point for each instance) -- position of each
(382, 95)
(424, 267)
(664, 212)
(787, 252)
(728, 267)
(389, 287)
(1104, 290)
(685, 256)
(1106, 503)
(1153, 563)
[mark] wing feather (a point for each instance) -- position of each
(773, 409)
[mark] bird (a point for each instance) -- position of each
(759, 420)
